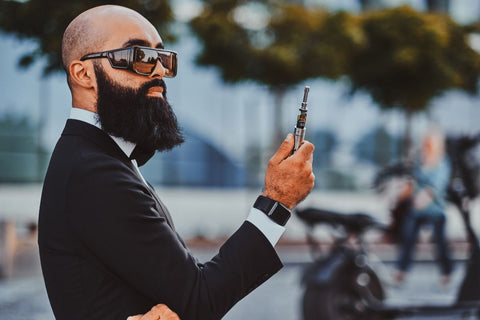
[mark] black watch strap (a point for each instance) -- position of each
(273, 209)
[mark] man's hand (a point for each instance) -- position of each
(158, 312)
(289, 179)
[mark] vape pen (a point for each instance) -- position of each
(299, 132)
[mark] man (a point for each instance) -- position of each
(108, 246)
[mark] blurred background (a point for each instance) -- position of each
(381, 73)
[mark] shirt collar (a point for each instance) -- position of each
(92, 118)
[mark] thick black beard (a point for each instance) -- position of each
(129, 114)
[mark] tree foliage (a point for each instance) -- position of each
(409, 57)
(402, 57)
(44, 21)
(296, 44)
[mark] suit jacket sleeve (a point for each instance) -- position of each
(117, 221)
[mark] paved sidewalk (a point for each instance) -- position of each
(24, 297)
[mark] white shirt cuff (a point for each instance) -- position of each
(269, 228)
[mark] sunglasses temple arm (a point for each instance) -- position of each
(95, 55)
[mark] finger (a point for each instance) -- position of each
(284, 150)
(306, 149)
(160, 312)
(153, 314)
(166, 313)
(309, 162)
(137, 317)
(172, 316)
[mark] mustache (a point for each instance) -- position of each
(154, 83)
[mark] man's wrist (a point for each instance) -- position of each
(275, 210)
(279, 197)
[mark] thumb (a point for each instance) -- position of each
(284, 150)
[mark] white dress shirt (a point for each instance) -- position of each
(269, 228)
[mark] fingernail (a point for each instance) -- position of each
(289, 137)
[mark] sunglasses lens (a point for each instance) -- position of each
(119, 58)
(145, 60)
(169, 63)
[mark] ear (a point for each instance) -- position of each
(82, 74)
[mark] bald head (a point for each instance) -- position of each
(90, 30)
(102, 29)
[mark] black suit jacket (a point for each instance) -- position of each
(108, 250)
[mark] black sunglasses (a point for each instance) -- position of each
(141, 60)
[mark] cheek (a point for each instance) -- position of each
(125, 78)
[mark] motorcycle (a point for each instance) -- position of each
(343, 284)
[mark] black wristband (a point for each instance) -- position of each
(273, 209)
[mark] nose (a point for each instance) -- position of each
(159, 70)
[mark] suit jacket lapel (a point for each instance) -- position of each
(99, 137)
(95, 135)
(162, 208)
(159, 204)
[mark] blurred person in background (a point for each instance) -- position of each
(108, 245)
(426, 190)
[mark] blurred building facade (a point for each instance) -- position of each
(22, 157)
(213, 162)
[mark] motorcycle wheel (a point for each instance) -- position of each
(341, 300)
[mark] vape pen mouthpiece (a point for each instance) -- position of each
(305, 93)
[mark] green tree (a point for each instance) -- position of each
(295, 44)
(44, 21)
(409, 58)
